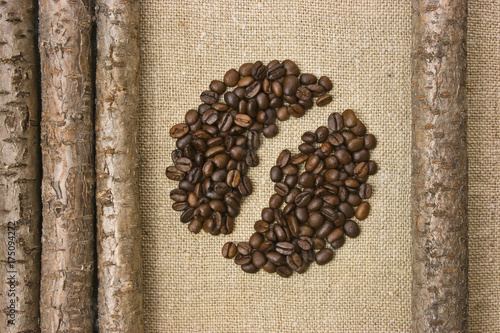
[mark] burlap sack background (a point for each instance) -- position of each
(364, 47)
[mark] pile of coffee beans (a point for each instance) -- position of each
(218, 142)
(312, 206)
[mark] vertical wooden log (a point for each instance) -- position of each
(439, 166)
(20, 168)
(67, 134)
(117, 167)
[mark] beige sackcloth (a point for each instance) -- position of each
(364, 47)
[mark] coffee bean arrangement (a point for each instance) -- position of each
(218, 142)
(317, 193)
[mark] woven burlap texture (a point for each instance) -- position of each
(364, 47)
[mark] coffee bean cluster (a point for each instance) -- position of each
(317, 193)
(218, 142)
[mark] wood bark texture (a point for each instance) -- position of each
(20, 168)
(68, 184)
(117, 167)
(439, 166)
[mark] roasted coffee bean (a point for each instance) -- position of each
(176, 154)
(324, 256)
(225, 122)
(209, 97)
(244, 248)
(284, 271)
(178, 195)
(291, 68)
(370, 141)
(179, 130)
(296, 110)
(291, 180)
(301, 214)
(362, 211)
(361, 170)
(267, 215)
(359, 129)
(335, 122)
(336, 139)
(284, 248)
(246, 69)
(261, 226)
(180, 206)
(231, 78)
(353, 199)
(217, 87)
(258, 259)
(343, 156)
(316, 90)
(338, 243)
(275, 201)
(325, 229)
(350, 119)
(326, 83)
(275, 257)
(276, 174)
(306, 180)
(365, 191)
(282, 113)
(355, 144)
(346, 209)
(315, 220)
(276, 71)
(174, 173)
(329, 213)
(372, 167)
(245, 186)
(294, 261)
(229, 250)
(195, 225)
(187, 215)
(305, 103)
(281, 189)
(290, 99)
(270, 131)
(231, 99)
(305, 243)
(259, 70)
(191, 117)
(290, 169)
(269, 267)
(308, 79)
(309, 137)
(245, 81)
(299, 158)
(351, 183)
(351, 229)
(362, 155)
(302, 199)
(318, 243)
(252, 159)
(315, 204)
(233, 178)
(241, 260)
(303, 93)
(279, 232)
(210, 117)
(253, 140)
(290, 85)
(249, 268)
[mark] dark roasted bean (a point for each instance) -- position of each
(324, 256)
(229, 250)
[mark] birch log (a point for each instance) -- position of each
(20, 168)
(439, 166)
(67, 127)
(117, 168)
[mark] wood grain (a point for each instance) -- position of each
(439, 166)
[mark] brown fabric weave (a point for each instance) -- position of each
(364, 47)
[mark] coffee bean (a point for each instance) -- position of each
(178, 195)
(370, 141)
(338, 243)
(302, 199)
(270, 131)
(276, 71)
(244, 248)
(252, 159)
(365, 191)
(318, 243)
(325, 229)
(284, 271)
(225, 122)
(253, 140)
(276, 174)
(284, 248)
(275, 257)
(305, 243)
(249, 268)
(233, 178)
(187, 215)
(315, 204)
(343, 156)
(179, 130)
(267, 215)
(290, 169)
(372, 167)
(359, 129)
(362, 155)
(350, 119)
(324, 256)
(296, 110)
(361, 170)
(209, 97)
(275, 201)
(324, 100)
(301, 214)
(231, 78)
(351, 229)
(346, 209)
(335, 122)
(241, 260)
(180, 206)
(290, 85)
(229, 250)
(326, 83)
(294, 261)
(362, 211)
(291, 68)
(245, 186)
(217, 87)
(174, 173)
(308, 79)
(303, 93)
(259, 70)
(258, 259)
(306, 180)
